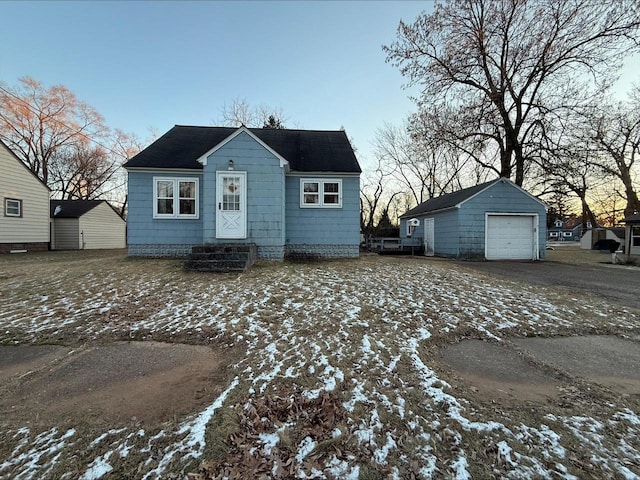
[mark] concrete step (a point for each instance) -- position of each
(224, 248)
(216, 266)
(245, 256)
(222, 257)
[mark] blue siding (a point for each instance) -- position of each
(445, 232)
(275, 220)
(327, 226)
(460, 232)
(265, 191)
(142, 228)
(499, 198)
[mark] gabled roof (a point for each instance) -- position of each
(635, 218)
(74, 208)
(305, 150)
(12, 153)
(455, 199)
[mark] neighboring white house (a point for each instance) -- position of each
(24, 218)
(86, 224)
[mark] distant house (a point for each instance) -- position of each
(286, 192)
(566, 230)
(494, 221)
(86, 224)
(24, 220)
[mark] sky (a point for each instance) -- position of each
(155, 64)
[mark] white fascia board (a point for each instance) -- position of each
(203, 158)
(321, 174)
(165, 171)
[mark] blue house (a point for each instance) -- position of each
(285, 191)
(568, 230)
(497, 220)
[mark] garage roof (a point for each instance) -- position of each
(455, 199)
(74, 208)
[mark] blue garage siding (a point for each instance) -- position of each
(446, 233)
(147, 235)
(265, 194)
(337, 227)
(499, 198)
(445, 236)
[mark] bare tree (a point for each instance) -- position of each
(241, 113)
(615, 130)
(420, 160)
(83, 172)
(37, 122)
(510, 63)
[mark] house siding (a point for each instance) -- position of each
(31, 231)
(148, 236)
(445, 233)
(275, 223)
(498, 198)
(325, 232)
(66, 234)
(265, 194)
(101, 227)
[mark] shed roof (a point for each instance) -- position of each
(635, 218)
(74, 208)
(305, 150)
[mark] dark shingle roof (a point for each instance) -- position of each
(449, 200)
(73, 208)
(305, 150)
(635, 218)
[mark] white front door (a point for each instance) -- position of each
(428, 237)
(231, 203)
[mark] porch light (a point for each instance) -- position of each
(230, 167)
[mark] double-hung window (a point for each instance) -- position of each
(175, 197)
(12, 207)
(320, 193)
(635, 236)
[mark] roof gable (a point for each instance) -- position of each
(304, 150)
(12, 153)
(74, 208)
(203, 158)
(456, 199)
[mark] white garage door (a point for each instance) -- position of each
(510, 237)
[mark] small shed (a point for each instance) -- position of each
(496, 220)
(86, 224)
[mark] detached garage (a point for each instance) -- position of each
(497, 220)
(86, 224)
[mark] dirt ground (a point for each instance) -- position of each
(537, 369)
(147, 382)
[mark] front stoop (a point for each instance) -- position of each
(225, 257)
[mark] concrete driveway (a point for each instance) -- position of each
(568, 267)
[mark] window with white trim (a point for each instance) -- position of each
(175, 197)
(12, 207)
(320, 193)
(567, 234)
(635, 236)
